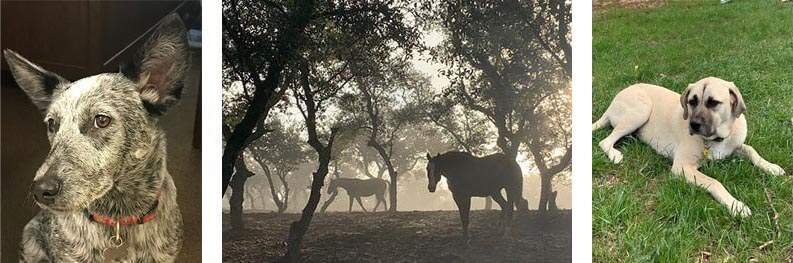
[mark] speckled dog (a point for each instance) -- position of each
(104, 190)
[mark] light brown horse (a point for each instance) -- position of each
(357, 188)
(469, 176)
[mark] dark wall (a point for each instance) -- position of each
(60, 41)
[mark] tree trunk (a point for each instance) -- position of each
(255, 201)
(238, 196)
(249, 197)
(545, 191)
(286, 202)
(392, 174)
(547, 173)
(262, 198)
(285, 184)
(299, 228)
(392, 191)
(273, 191)
(380, 173)
(235, 202)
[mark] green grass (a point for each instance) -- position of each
(641, 211)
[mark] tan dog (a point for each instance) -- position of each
(708, 123)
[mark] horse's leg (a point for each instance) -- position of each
(385, 203)
(380, 199)
(503, 204)
(328, 202)
(513, 195)
(350, 196)
(464, 206)
(360, 203)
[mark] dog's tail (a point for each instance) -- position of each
(602, 122)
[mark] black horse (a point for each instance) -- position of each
(357, 188)
(469, 176)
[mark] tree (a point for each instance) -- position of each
(340, 34)
(279, 153)
(382, 106)
(237, 199)
(241, 174)
(309, 101)
(504, 60)
(463, 128)
(267, 40)
(260, 38)
(256, 193)
(550, 143)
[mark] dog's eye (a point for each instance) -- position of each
(693, 102)
(712, 103)
(51, 125)
(101, 121)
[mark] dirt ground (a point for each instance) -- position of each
(419, 236)
(605, 4)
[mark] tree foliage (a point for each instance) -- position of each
(278, 154)
(510, 61)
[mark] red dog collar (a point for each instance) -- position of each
(128, 220)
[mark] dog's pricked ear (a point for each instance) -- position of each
(161, 65)
(684, 101)
(39, 84)
(736, 101)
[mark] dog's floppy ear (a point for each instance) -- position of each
(736, 101)
(684, 100)
(40, 85)
(161, 65)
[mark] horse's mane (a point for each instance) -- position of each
(455, 155)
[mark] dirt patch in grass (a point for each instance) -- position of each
(419, 236)
(640, 4)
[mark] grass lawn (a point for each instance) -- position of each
(641, 211)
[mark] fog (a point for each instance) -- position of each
(412, 193)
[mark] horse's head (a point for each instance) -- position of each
(332, 186)
(433, 175)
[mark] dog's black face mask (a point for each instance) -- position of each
(103, 129)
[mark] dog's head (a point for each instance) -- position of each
(103, 129)
(711, 106)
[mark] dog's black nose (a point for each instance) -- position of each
(695, 125)
(46, 189)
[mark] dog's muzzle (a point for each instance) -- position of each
(698, 126)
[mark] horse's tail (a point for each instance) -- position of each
(521, 203)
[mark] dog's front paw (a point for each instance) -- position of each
(774, 169)
(740, 209)
(615, 156)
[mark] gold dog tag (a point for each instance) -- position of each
(706, 153)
